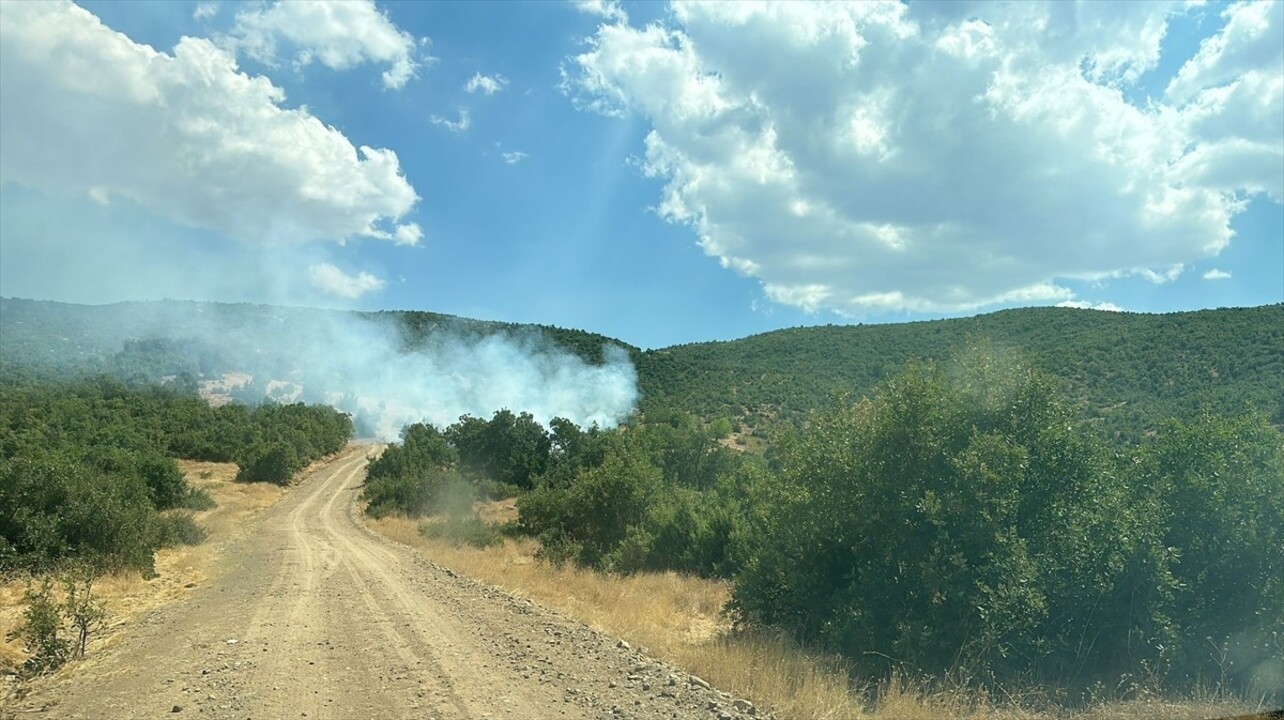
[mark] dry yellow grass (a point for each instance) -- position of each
(679, 619)
(674, 617)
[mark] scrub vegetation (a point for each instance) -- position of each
(1086, 503)
(87, 470)
(963, 521)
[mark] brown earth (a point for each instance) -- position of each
(315, 616)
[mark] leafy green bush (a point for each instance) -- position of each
(41, 631)
(274, 463)
(82, 610)
(408, 479)
(1216, 486)
(179, 527)
(198, 499)
(54, 508)
(587, 520)
(962, 521)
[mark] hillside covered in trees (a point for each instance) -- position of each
(1054, 495)
(1126, 372)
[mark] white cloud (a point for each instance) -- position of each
(408, 234)
(514, 157)
(185, 135)
(1231, 98)
(607, 9)
(461, 125)
(935, 157)
(330, 279)
(1085, 305)
(485, 85)
(1216, 274)
(341, 34)
(205, 10)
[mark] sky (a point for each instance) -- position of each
(658, 173)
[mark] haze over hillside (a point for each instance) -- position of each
(388, 370)
(1129, 371)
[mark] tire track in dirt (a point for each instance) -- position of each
(321, 618)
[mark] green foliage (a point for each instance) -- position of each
(509, 449)
(1127, 372)
(198, 499)
(179, 527)
(464, 530)
(41, 631)
(963, 521)
(82, 610)
(53, 508)
(408, 479)
(45, 619)
(662, 496)
(84, 469)
(1216, 486)
(587, 520)
(274, 462)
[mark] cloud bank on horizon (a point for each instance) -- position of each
(944, 156)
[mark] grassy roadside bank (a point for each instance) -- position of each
(679, 619)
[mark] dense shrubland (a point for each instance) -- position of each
(87, 471)
(964, 522)
(962, 519)
(1126, 372)
(969, 515)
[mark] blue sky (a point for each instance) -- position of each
(658, 173)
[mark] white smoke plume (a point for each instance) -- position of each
(365, 365)
(369, 365)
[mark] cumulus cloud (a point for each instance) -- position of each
(484, 84)
(1231, 102)
(607, 9)
(866, 157)
(339, 34)
(185, 135)
(330, 279)
(408, 234)
(1216, 274)
(205, 10)
(514, 157)
(461, 125)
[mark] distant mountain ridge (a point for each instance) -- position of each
(1128, 371)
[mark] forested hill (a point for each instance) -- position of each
(163, 338)
(1130, 371)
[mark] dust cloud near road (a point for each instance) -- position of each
(320, 618)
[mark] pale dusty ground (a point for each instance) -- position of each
(309, 614)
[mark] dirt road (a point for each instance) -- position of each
(320, 618)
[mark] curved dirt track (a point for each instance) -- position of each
(320, 618)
